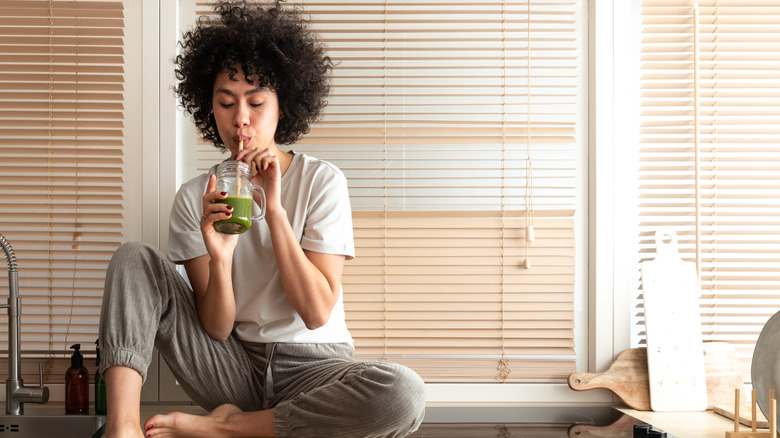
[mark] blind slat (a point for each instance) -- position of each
(61, 163)
(738, 141)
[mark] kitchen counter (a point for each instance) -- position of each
(678, 424)
(705, 424)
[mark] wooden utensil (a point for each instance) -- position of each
(745, 416)
(627, 377)
(723, 374)
(670, 290)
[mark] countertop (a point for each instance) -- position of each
(705, 424)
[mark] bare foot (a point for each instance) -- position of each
(178, 424)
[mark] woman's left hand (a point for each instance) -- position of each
(267, 173)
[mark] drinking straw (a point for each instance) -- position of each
(238, 170)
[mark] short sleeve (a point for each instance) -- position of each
(328, 227)
(185, 240)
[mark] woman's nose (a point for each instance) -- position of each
(242, 115)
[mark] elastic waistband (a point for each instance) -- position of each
(304, 350)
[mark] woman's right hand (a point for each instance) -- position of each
(219, 245)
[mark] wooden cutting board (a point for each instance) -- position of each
(745, 414)
(627, 376)
(675, 359)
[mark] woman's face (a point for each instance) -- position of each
(244, 112)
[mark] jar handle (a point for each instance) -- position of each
(262, 204)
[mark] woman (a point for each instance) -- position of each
(259, 339)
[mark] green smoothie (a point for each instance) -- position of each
(240, 220)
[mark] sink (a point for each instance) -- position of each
(55, 426)
(36, 424)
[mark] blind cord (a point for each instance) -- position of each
(713, 300)
(503, 364)
(76, 235)
(384, 187)
(529, 173)
(696, 139)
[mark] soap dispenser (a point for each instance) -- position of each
(100, 385)
(77, 384)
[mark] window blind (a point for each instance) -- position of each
(61, 159)
(725, 118)
(454, 137)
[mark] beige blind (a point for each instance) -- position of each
(445, 293)
(61, 163)
(439, 115)
(726, 118)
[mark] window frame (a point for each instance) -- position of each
(606, 336)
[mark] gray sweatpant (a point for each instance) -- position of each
(318, 390)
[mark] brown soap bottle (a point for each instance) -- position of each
(77, 384)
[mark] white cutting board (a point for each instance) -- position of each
(675, 354)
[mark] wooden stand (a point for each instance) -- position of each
(753, 433)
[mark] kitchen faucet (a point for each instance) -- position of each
(16, 394)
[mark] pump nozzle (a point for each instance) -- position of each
(76, 360)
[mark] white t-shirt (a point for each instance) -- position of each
(314, 194)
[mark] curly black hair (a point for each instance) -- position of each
(274, 47)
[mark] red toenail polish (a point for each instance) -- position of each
(149, 426)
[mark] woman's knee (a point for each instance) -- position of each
(137, 260)
(133, 278)
(130, 251)
(403, 393)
